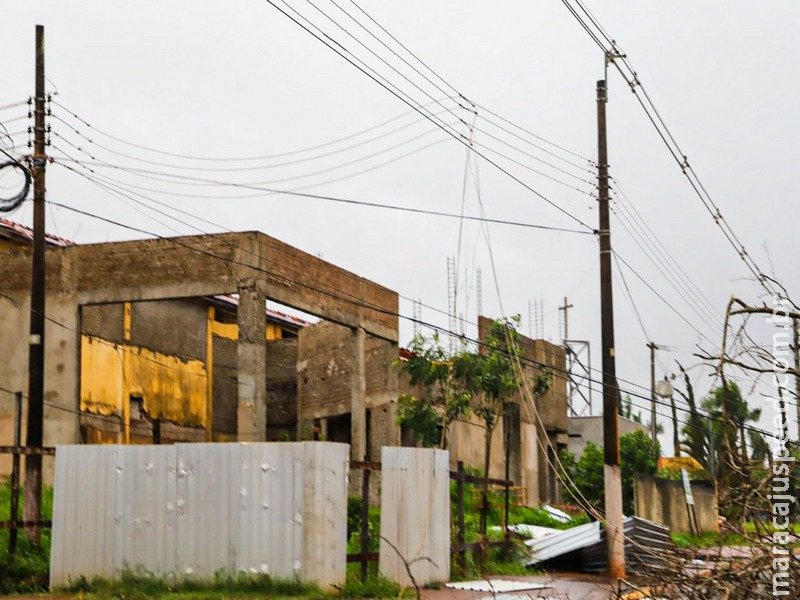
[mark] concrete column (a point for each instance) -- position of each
(512, 424)
(251, 413)
(358, 396)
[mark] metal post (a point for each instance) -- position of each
(507, 431)
(35, 437)
(612, 475)
(462, 527)
(365, 474)
(12, 534)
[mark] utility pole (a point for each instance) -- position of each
(797, 371)
(653, 427)
(34, 434)
(566, 308)
(612, 474)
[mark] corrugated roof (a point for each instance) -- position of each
(23, 233)
(273, 314)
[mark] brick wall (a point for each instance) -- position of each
(224, 386)
(104, 321)
(175, 327)
(324, 362)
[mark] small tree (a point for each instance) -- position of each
(638, 454)
(443, 397)
(494, 377)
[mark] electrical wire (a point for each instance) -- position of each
(410, 103)
(622, 64)
(380, 205)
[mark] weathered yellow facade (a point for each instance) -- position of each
(171, 389)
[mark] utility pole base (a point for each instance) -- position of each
(615, 533)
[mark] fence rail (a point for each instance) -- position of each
(26, 451)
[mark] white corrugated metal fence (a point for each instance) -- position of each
(194, 510)
(415, 514)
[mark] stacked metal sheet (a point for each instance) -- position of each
(645, 543)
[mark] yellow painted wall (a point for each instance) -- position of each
(231, 331)
(172, 389)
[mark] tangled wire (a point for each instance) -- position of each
(9, 204)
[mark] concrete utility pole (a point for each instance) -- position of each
(612, 474)
(653, 427)
(35, 437)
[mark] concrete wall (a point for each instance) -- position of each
(583, 430)
(664, 501)
(468, 443)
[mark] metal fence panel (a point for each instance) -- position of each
(415, 515)
(207, 484)
(194, 510)
(82, 536)
(144, 500)
(325, 530)
(270, 475)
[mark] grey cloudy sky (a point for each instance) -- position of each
(239, 79)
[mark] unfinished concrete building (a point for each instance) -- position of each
(146, 330)
(175, 332)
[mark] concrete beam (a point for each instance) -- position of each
(251, 412)
(207, 265)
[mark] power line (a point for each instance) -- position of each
(410, 103)
(395, 207)
(649, 235)
(623, 66)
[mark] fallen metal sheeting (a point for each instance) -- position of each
(645, 542)
(562, 542)
(496, 586)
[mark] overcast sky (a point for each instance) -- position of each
(227, 80)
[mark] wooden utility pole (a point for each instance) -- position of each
(653, 426)
(797, 371)
(34, 434)
(612, 474)
(566, 308)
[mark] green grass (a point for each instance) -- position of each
(375, 586)
(27, 571)
(711, 539)
(708, 539)
(131, 587)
